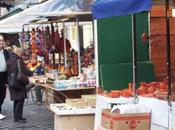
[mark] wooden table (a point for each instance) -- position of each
(60, 95)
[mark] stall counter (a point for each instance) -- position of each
(159, 108)
(70, 118)
(60, 95)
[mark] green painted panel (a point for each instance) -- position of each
(142, 48)
(117, 76)
(115, 39)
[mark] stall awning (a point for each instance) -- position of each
(5, 28)
(11, 14)
(109, 8)
(10, 30)
(66, 7)
(48, 8)
(20, 19)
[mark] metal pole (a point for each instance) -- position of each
(53, 45)
(78, 40)
(65, 52)
(23, 37)
(168, 63)
(96, 52)
(134, 55)
(149, 28)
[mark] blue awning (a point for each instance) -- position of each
(109, 8)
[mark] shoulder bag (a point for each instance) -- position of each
(22, 78)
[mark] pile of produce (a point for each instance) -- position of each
(153, 89)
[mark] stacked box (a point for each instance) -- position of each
(117, 121)
(77, 102)
(90, 99)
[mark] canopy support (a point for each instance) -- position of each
(134, 55)
(168, 50)
(96, 51)
(78, 44)
(65, 52)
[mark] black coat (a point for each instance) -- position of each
(3, 77)
(6, 54)
(12, 67)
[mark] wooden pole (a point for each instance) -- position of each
(168, 49)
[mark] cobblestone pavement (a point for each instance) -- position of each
(38, 117)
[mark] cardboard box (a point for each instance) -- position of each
(74, 122)
(78, 102)
(116, 121)
(91, 102)
(88, 96)
(90, 99)
(101, 128)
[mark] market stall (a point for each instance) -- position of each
(59, 95)
(44, 39)
(162, 113)
(59, 85)
(160, 110)
(67, 79)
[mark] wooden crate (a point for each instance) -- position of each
(158, 26)
(158, 51)
(159, 11)
(158, 44)
(158, 60)
(172, 25)
(160, 70)
(160, 67)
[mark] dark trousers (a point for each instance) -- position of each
(18, 109)
(3, 81)
(38, 93)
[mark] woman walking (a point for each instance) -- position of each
(18, 93)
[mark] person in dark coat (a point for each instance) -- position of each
(20, 94)
(4, 55)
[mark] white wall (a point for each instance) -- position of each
(87, 35)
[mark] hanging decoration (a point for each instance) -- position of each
(61, 44)
(42, 41)
(33, 41)
(57, 39)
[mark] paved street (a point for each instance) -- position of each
(38, 118)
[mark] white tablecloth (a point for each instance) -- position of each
(160, 110)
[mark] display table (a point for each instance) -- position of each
(159, 108)
(72, 118)
(60, 95)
